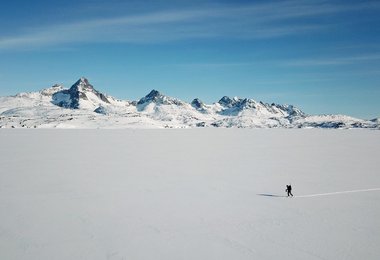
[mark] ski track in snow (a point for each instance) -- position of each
(337, 192)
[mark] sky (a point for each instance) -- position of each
(321, 56)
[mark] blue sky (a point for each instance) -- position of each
(322, 56)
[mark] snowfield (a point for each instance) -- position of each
(189, 194)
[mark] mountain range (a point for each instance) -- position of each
(82, 106)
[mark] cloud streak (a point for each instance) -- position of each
(257, 21)
(332, 61)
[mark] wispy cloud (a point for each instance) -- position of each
(270, 20)
(302, 62)
(214, 64)
(331, 61)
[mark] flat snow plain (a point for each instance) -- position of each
(189, 194)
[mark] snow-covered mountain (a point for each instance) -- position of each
(82, 106)
(81, 95)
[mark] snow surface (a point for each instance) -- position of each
(189, 194)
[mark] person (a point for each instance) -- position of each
(289, 190)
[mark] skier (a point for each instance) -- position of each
(289, 190)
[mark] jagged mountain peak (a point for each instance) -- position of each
(229, 102)
(225, 101)
(82, 84)
(81, 94)
(236, 102)
(235, 106)
(153, 96)
(156, 97)
(50, 91)
(198, 104)
(154, 93)
(290, 109)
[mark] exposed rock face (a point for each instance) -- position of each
(227, 101)
(234, 106)
(80, 91)
(198, 104)
(50, 91)
(156, 97)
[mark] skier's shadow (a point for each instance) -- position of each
(270, 195)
